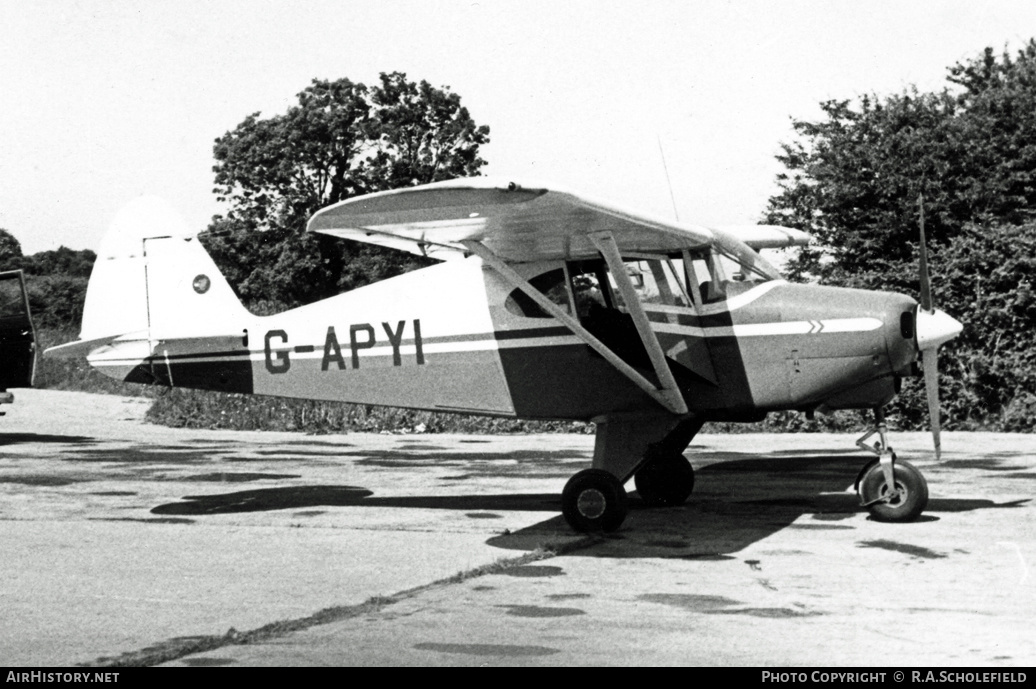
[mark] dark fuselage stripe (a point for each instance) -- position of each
(202, 355)
(531, 332)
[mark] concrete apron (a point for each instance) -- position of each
(120, 537)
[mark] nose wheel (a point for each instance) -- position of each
(594, 500)
(904, 502)
(891, 490)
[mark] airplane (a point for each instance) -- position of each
(545, 304)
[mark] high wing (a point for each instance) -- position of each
(767, 236)
(517, 222)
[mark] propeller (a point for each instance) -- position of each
(934, 327)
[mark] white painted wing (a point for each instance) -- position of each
(518, 222)
(767, 236)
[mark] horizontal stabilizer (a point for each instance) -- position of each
(81, 348)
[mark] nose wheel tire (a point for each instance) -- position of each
(594, 500)
(665, 481)
(910, 499)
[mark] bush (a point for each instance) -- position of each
(183, 408)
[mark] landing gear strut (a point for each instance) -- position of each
(644, 447)
(893, 491)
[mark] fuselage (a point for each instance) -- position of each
(456, 337)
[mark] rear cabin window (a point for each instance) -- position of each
(551, 284)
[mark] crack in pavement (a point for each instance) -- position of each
(180, 647)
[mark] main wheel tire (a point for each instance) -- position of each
(905, 507)
(665, 481)
(594, 500)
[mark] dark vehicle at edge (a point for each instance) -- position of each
(17, 336)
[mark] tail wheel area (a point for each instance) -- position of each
(594, 500)
(665, 481)
(906, 503)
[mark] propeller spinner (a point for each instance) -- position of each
(934, 327)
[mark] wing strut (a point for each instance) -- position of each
(669, 398)
(605, 243)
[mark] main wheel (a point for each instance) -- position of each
(905, 507)
(665, 481)
(594, 500)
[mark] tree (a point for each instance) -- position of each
(341, 140)
(61, 261)
(997, 99)
(10, 251)
(853, 180)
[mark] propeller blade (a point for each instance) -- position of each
(930, 363)
(933, 329)
(926, 283)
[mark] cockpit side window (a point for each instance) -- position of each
(658, 281)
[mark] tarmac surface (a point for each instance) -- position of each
(124, 542)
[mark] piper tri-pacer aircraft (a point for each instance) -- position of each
(547, 305)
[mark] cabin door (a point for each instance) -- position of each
(17, 335)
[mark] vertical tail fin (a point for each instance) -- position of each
(154, 280)
(158, 310)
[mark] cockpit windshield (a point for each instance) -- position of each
(750, 260)
(730, 268)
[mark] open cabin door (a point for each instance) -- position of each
(17, 334)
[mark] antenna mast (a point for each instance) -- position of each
(667, 180)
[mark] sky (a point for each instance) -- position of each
(102, 101)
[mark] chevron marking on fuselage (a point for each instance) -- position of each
(836, 325)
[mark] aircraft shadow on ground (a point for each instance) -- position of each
(309, 497)
(736, 503)
(16, 438)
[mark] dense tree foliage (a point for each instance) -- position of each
(989, 274)
(55, 281)
(10, 251)
(61, 261)
(853, 180)
(985, 278)
(56, 300)
(341, 140)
